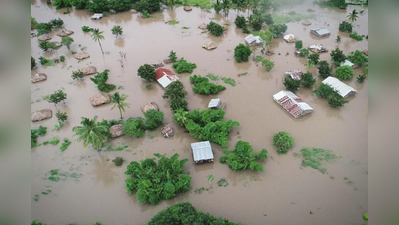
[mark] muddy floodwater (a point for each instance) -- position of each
(285, 193)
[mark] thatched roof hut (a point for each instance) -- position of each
(167, 131)
(41, 115)
(202, 26)
(64, 33)
(116, 130)
(38, 77)
(148, 106)
(209, 46)
(44, 37)
(100, 99)
(81, 55)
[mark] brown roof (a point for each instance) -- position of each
(160, 73)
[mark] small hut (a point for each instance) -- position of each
(64, 32)
(202, 26)
(187, 8)
(148, 106)
(348, 63)
(202, 152)
(100, 99)
(81, 55)
(209, 46)
(41, 115)
(38, 77)
(217, 103)
(167, 131)
(306, 23)
(317, 48)
(88, 70)
(116, 130)
(44, 37)
(294, 74)
(290, 38)
(320, 32)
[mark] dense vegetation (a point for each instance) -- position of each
(334, 3)
(153, 182)
(215, 28)
(307, 80)
(324, 69)
(44, 28)
(147, 72)
(334, 99)
(283, 141)
(337, 56)
(242, 53)
(203, 86)
(186, 214)
(344, 72)
(206, 125)
(100, 79)
(57, 97)
(243, 158)
(182, 66)
(177, 94)
(316, 157)
(153, 118)
(134, 127)
(292, 84)
(278, 29)
(345, 26)
(358, 58)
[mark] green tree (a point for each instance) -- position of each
(324, 69)
(268, 64)
(215, 28)
(217, 6)
(337, 56)
(97, 36)
(226, 5)
(67, 41)
(178, 103)
(33, 23)
(336, 101)
(298, 44)
(242, 53)
(100, 79)
(307, 80)
(203, 86)
(56, 23)
(267, 38)
(304, 53)
(353, 16)
(345, 26)
(283, 141)
(32, 63)
(358, 58)
(57, 97)
(153, 118)
(180, 117)
(120, 5)
(361, 78)
(117, 30)
(243, 158)
(240, 22)
(91, 132)
(175, 90)
(344, 72)
(183, 66)
(291, 84)
(278, 29)
(61, 117)
(80, 4)
(338, 40)
(147, 72)
(134, 127)
(98, 6)
(119, 102)
(314, 57)
(77, 75)
(46, 45)
(59, 4)
(172, 56)
(148, 6)
(256, 20)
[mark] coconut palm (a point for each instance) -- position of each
(119, 101)
(91, 132)
(353, 15)
(97, 35)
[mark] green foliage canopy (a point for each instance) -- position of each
(283, 141)
(147, 72)
(100, 79)
(344, 72)
(182, 66)
(134, 127)
(242, 53)
(203, 86)
(215, 28)
(153, 118)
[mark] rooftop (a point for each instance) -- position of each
(202, 151)
(343, 89)
(292, 103)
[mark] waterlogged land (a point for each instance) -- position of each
(86, 186)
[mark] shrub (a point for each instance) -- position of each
(242, 53)
(242, 158)
(334, 99)
(337, 56)
(304, 53)
(100, 79)
(46, 45)
(345, 26)
(182, 66)
(215, 28)
(203, 86)
(358, 58)
(298, 44)
(77, 75)
(361, 78)
(59, 4)
(291, 84)
(314, 57)
(147, 72)
(86, 29)
(344, 72)
(57, 97)
(153, 118)
(80, 4)
(307, 80)
(278, 29)
(324, 69)
(32, 63)
(147, 6)
(153, 182)
(356, 36)
(256, 21)
(118, 161)
(62, 58)
(240, 22)
(268, 64)
(134, 127)
(283, 141)
(172, 56)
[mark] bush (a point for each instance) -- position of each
(356, 36)
(182, 66)
(44, 28)
(134, 127)
(307, 80)
(324, 69)
(153, 182)
(118, 161)
(345, 26)
(334, 99)
(344, 72)
(298, 44)
(337, 56)
(56, 23)
(215, 28)
(278, 29)
(291, 84)
(62, 58)
(77, 75)
(98, 6)
(242, 53)
(283, 141)
(361, 78)
(323, 91)
(268, 64)
(32, 63)
(240, 22)
(304, 53)
(172, 56)
(147, 72)
(86, 29)
(100, 79)
(59, 4)
(147, 6)
(314, 57)
(153, 118)
(358, 58)
(80, 4)
(57, 97)
(242, 158)
(256, 21)
(202, 86)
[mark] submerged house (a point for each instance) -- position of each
(348, 63)
(202, 152)
(294, 74)
(318, 48)
(320, 32)
(290, 38)
(165, 77)
(97, 16)
(217, 103)
(342, 89)
(253, 40)
(292, 103)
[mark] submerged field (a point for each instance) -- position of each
(87, 186)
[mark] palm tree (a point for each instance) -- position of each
(353, 16)
(119, 101)
(91, 132)
(97, 35)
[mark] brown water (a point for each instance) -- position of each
(284, 194)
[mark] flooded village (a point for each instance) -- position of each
(309, 163)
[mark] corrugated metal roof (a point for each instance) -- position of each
(321, 31)
(289, 37)
(347, 63)
(214, 103)
(202, 150)
(164, 81)
(292, 103)
(250, 39)
(343, 89)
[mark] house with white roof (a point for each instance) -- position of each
(343, 89)
(292, 103)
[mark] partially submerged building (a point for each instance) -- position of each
(165, 77)
(97, 16)
(253, 40)
(290, 38)
(347, 63)
(294, 74)
(217, 103)
(343, 89)
(202, 152)
(292, 103)
(318, 48)
(320, 32)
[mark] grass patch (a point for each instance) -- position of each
(223, 183)
(200, 190)
(185, 28)
(65, 144)
(212, 76)
(316, 157)
(356, 36)
(56, 175)
(116, 149)
(230, 81)
(203, 4)
(53, 141)
(291, 17)
(173, 22)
